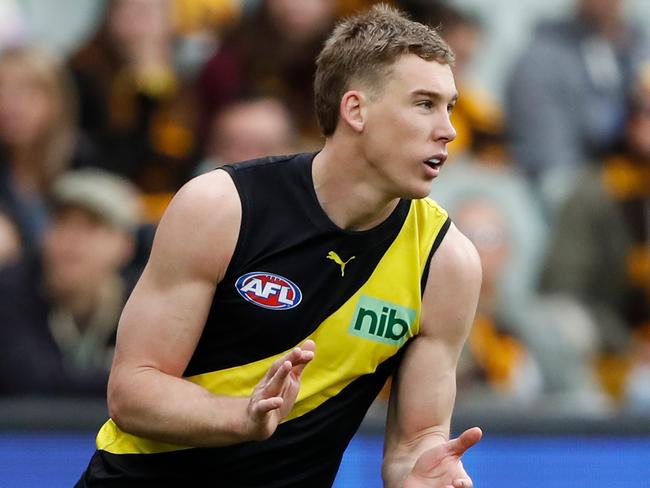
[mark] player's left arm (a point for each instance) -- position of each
(418, 452)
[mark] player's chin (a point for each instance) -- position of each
(421, 190)
(415, 187)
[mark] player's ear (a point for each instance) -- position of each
(352, 109)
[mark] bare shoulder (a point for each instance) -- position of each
(203, 195)
(201, 225)
(455, 259)
(453, 285)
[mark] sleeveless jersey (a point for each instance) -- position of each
(294, 275)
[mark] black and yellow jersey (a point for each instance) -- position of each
(294, 275)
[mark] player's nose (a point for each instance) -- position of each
(444, 130)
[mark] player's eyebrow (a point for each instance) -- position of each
(433, 95)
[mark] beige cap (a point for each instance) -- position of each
(110, 197)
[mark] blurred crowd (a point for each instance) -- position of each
(551, 181)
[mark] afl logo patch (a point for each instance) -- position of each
(268, 290)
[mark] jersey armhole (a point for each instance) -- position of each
(243, 226)
(436, 244)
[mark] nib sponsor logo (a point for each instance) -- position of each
(382, 321)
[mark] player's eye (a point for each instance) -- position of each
(426, 104)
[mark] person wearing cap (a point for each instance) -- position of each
(59, 311)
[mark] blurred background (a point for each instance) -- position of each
(108, 107)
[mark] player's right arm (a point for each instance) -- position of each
(163, 321)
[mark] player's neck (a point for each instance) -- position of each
(346, 192)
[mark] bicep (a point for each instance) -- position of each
(164, 317)
(161, 323)
(425, 388)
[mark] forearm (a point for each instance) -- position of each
(151, 404)
(418, 451)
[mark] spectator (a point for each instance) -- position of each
(345, 8)
(13, 28)
(38, 135)
(566, 96)
(247, 129)
(11, 246)
(524, 346)
(636, 389)
(58, 316)
(273, 51)
(134, 104)
(499, 359)
(599, 253)
(199, 25)
(477, 116)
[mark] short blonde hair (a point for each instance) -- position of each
(363, 47)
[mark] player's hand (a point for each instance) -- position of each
(440, 466)
(274, 396)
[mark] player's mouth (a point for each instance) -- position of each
(436, 162)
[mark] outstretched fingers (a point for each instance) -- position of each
(307, 352)
(291, 356)
(308, 345)
(298, 356)
(276, 382)
(463, 442)
(293, 363)
(266, 405)
(462, 483)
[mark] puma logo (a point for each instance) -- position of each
(335, 257)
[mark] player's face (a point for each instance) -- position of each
(407, 126)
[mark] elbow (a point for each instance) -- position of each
(118, 404)
(115, 404)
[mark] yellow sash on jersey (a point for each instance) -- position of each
(343, 352)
